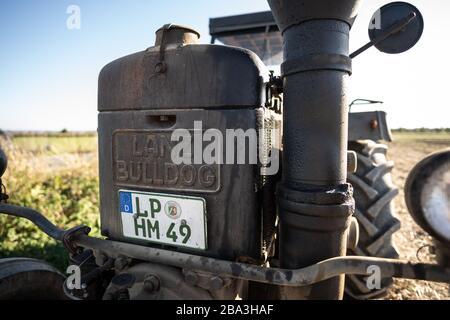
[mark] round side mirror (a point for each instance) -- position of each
(402, 22)
(3, 162)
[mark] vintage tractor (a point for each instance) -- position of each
(219, 178)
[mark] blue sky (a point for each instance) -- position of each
(48, 74)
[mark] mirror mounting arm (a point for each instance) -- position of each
(396, 27)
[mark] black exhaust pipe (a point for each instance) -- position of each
(315, 202)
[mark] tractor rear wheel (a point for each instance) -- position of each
(374, 193)
(29, 279)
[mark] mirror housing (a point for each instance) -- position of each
(394, 28)
(400, 40)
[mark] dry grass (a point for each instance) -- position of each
(61, 185)
(50, 155)
(406, 151)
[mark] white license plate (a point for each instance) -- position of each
(173, 220)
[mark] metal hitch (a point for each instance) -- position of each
(306, 276)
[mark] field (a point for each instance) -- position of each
(58, 176)
(406, 150)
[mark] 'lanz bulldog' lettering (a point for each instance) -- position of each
(144, 159)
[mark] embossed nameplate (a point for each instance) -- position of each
(143, 159)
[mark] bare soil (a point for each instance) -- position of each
(406, 152)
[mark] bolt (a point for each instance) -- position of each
(152, 283)
(373, 124)
(191, 277)
(121, 263)
(123, 281)
(352, 162)
(160, 67)
(432, 250)
(100, 258)
(216, 283)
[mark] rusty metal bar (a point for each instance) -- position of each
(318, 272)
(313, 274)
(34, 216)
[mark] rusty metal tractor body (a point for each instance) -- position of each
(196, 229)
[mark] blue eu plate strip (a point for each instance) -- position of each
(126, 205)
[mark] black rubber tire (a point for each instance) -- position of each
(374, 193)
(30, 279)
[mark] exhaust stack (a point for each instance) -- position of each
(315, 202)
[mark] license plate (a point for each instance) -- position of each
(172, 220)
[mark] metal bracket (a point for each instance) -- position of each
(312, 274)
(395, 28)
(368, 126)
(274, 89)
(161, 66)
(317, 62)
(77, 237)
(69, 236)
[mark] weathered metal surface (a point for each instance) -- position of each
(316, 68)
(165, 282)
(290, 13)
(143, 158)
(315, 273)
(315, 109)
(233, 224)
(311, 274)
(368, 126)
(176, 34)
(318, 216)
(213, 77)
(29, 279)
(140, 108)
